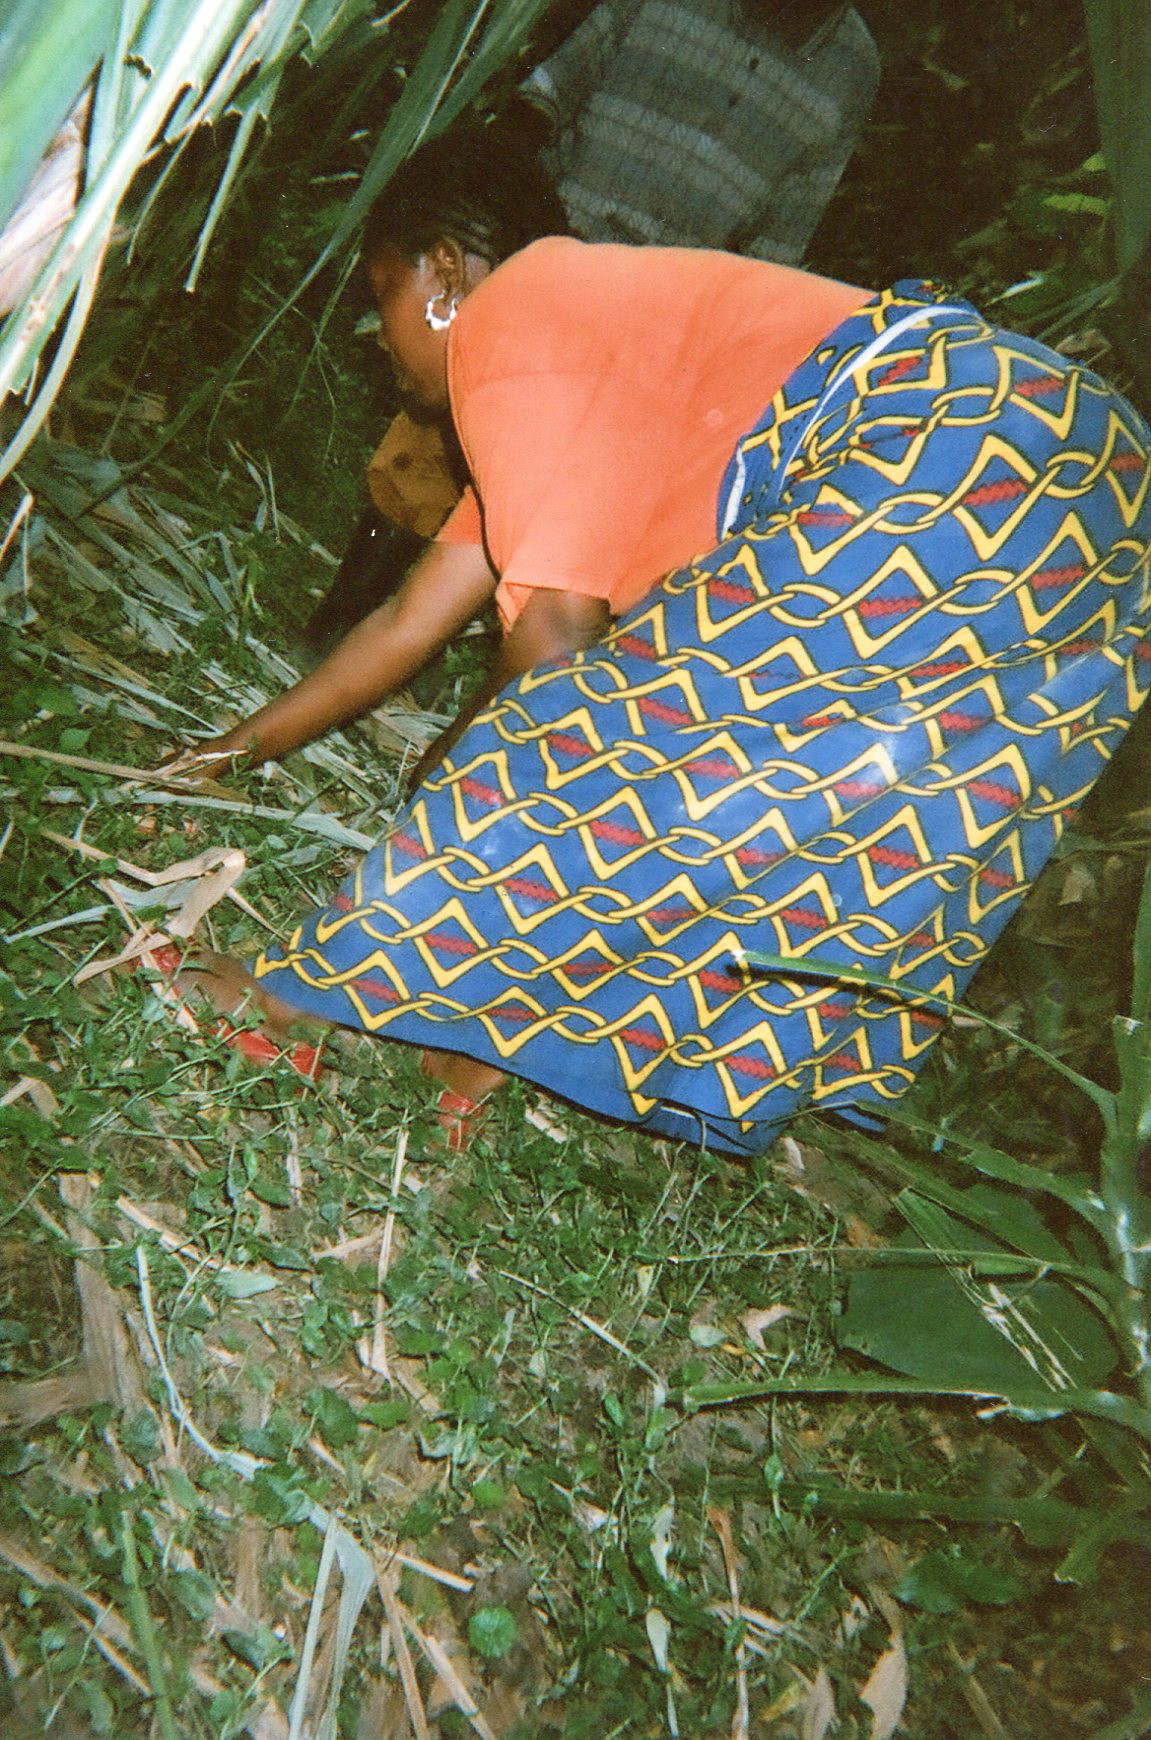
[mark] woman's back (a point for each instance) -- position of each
(598, 391)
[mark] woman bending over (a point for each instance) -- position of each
(823, 609)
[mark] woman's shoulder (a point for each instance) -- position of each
(539, 309)
(560, 278)
(563, 306)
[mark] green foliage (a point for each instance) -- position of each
(947, 1579)
(1119, 32)
(558, 1295)
(980, 1297)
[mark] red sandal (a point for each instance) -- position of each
(460, 1118)
(257, 1047)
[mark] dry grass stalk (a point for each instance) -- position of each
(373, 1349)
(27, 502)
(400, 1627)
(721, 1523)
(542, 1120)
(202, 881)
(300, 1696)
(436, 1573)
(819, 1712)
(180, 1244)
(49, 202)
(38, 1092)
(760, 1625)
(450, 1676)
(406, 1666)
(217, 861)
(979, 1702)
(107, 1370)
(589, 1323)
(113, 1638)
(248, 1560)
(111, 1365)
(86, 764)
(885, 1692)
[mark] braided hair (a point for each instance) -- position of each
(475, 185)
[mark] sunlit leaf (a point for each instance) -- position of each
(885, 1692)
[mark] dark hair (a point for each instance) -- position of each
(480, 186)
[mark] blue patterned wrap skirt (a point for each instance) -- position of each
(852, 732)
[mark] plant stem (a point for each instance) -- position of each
(145, 1632)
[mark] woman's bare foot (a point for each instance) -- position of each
(231, 990)
(465, 1076)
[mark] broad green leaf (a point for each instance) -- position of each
(936, 1322)
(1075, 1190)
(336, 1420)
(1127, 1141)
(272, 1188)
(1135, 1725)
(1012, 1218)
(1005, 1214)
(948, 1579)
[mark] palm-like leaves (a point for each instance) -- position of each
(160, 70)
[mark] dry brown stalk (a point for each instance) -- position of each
(107, 1370)
(437, 1574)
(112, 1636)
(373, 1349)
(721, 1523)
(980, 1703)
(38, 1092)
(114, 769)
(453, 1681)
(404, 1662)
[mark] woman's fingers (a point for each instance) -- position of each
(198, 763)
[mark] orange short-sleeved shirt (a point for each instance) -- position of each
(599, 391)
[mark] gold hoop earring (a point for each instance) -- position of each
(441, 322)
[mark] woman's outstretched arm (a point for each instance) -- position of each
(444, 591)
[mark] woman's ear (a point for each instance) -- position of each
(449, 265)
(455, 271)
